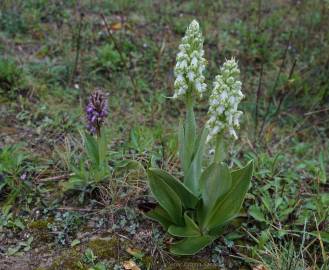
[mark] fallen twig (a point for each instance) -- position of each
(76, 209)
(318, 111)
(57, 177)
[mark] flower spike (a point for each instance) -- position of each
(190, 63)
(224, 100)
(96, 111)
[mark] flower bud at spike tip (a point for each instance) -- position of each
(96, 111)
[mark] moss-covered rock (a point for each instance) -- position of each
(105, 248)
(39, 224)
(39, 230)
(69, 260)
(184, 263)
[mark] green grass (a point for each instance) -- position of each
(55, 53)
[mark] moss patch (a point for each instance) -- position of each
(147, 261)
(191, 266)
(39, 230)
(69, 260)
(105, 248)
(39, 224)
(183, 263)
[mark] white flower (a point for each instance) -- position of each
(220, 109)
(224, 100)
(194, 62)
(233, 133)
(190, 63)
(223, 95)
(198, 86)
(190, 75)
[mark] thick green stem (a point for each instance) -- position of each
(220, 151)
(190, 125)
(189, 101)
(189, 133)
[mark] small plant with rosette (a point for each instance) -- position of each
(198, 208)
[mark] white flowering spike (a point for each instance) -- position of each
(224, 100)
(190, 63)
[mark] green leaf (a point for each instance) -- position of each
(79, 180)
(2, 185)
(187, 197)
(229, 205)
(167, 198)
(322, 168)
(285, 213)
(92, 148)
(191, 245)
(234, 236)
(18, 223)
(160, 215)
(99, 266)
(102, 147)
(192, 178)
(324, 235)
(218, 230)
(128, 165)
(189, 230)
(6, 210)
(256, 213)
(73, 183)
(12, 250)
(215, 181)
(75, 242)
(263, 238)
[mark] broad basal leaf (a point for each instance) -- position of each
(92, 148)
(102, 147)
(191, 245)
(218, 230)
(229, 205)
(189, 230)
(160, 215)
(186, 196)
(215, 181)
(167, 198)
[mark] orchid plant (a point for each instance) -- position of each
(198, 208)
(93, 167)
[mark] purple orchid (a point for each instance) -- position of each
(96, 111)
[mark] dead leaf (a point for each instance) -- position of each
(116, 26)
(259, 267)
(130, 265)
(137, 253)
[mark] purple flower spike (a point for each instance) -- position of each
(96, 111)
